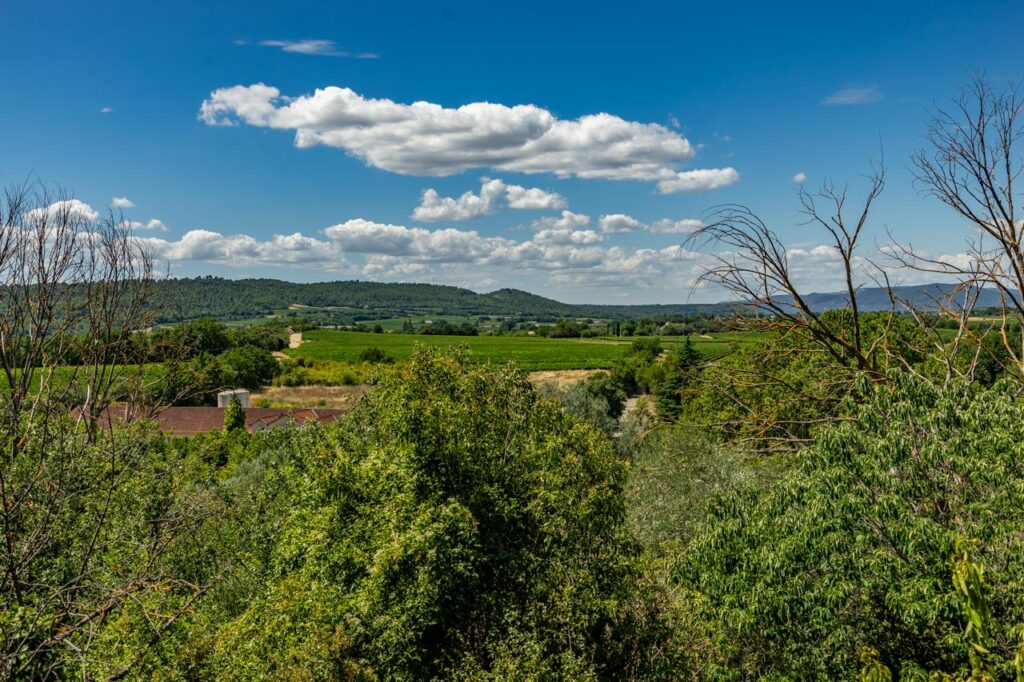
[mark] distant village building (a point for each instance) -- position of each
(191, 421)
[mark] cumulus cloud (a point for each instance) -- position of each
(567, 221)
(567, 237)
(444, 245)
(800, 177)
(73, 209)
(494, 195)
(702, 180)
(548, 257)
(620, 223)
(854, 95)
(79, 211)
(311, 46)
(400, 251)
(533, 198)
(428, 139)
(205, 245)
(669, 226)
(153, 225)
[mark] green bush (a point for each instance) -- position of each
(374, 355)
(454, 525)
(675, 471)
(852, 548)
(248, 367)
(302, 372)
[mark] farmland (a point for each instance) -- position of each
(532, 353)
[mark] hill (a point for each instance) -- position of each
(227, 299)
(353, 301)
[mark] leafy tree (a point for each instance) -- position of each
(568, 330)
(994, 361)
(851, 547)
(270, 337)
(248, 367)
(234, 416)
(204, 335)
(772, 394)
(991, 644)
(670, 395)
(455, 526)
(681, 365)
(605, 387)
(646, 349)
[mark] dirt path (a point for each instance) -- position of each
(295, 340)
(629, 408)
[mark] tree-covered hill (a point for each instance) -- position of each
(189, 298)
(232, 299)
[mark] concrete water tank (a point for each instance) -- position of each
(224, 397)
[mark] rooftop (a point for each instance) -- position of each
(190, 421)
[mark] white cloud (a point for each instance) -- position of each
(567, 237)
(323, 48)
(619, 223)
(434, 207)
(106, 110)
(669, 226)
(72, 209)
(854, 95)
(800, 177)
(213, 247)
(153, 225)
(702, 180)
(567, 221)
(424, 138)
(494, 194)
(121, 202)
(534, 198)
(554, 258)
(368, 237)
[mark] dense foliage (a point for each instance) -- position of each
(91, 540)
(455, 525)
(201, 357)
(853, 548)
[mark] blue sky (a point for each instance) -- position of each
(704, 104)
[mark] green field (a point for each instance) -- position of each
(532, 353)
(60, 376)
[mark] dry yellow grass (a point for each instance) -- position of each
(563, 377)
(297, 397)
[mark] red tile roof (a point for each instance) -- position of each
(190, 421)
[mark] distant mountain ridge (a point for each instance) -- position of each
(920, 296)
(188, 298)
